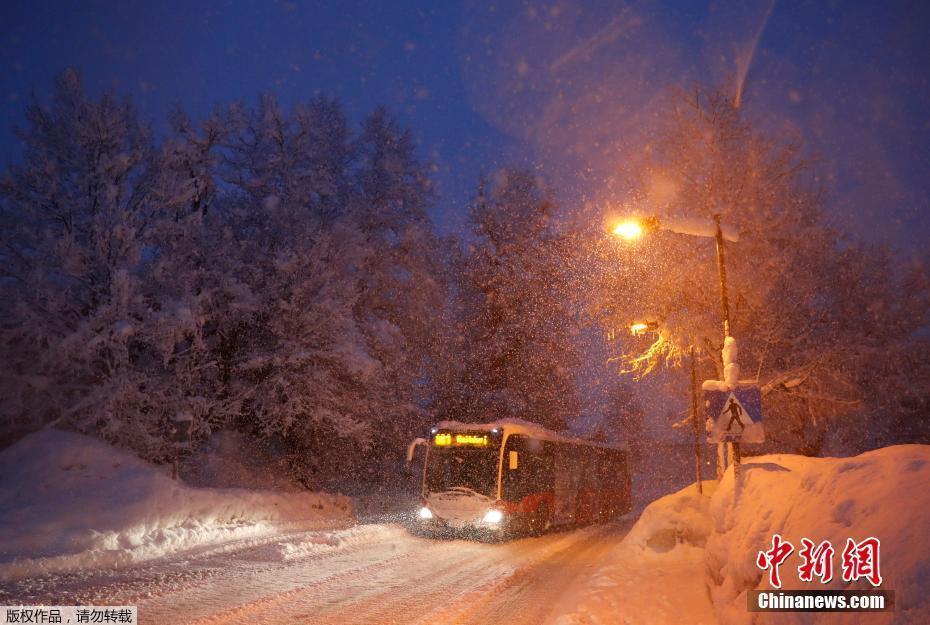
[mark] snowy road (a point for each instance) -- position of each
(373, 574)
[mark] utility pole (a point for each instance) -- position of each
(722, 271)
(696, 426)
(725, 311)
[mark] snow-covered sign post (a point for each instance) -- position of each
(733, 408)
(735, 416)
(729, 398)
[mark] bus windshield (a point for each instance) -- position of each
(462, 467)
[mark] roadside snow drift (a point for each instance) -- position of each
(69, 502)
(883, 493)
(685, 547)
(656, 574)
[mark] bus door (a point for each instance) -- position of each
(527, 474)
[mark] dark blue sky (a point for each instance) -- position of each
(569, 86)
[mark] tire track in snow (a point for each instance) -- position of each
(377, 575)
(147, 581)
(260, 589)
(357, 594)
(526, 596)
(440, 582)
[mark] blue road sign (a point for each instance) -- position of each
(736, 415)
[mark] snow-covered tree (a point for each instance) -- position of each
(811, 310)
(76, 214)
(177, 341)
(109, 286)
(521, 355)
(404, 283)
(290, 250)
(260, 269)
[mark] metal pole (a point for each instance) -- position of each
(697, 428)
(722, 271)
(735, 457)
(725, 310)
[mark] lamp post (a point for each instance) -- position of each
(722, 271)
(638, 329)
(696, 426)
(635, 228)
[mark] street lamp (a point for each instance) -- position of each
(628, 230)
(641, 327)
(634, 228)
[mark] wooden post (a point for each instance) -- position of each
(722, 271)
(736, 455)
(721, 460)
(697, 427)
(725, 311)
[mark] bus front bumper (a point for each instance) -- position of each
(493, 523)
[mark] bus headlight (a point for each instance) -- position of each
(426, 513)
(493, 516)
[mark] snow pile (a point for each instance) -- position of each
(655, 575)
(69, 502)
(730, 369)
(883, 493)
(661, 574)
(699, 227)
(679, 518)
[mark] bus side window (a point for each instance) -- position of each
(613, 468)
(545, 475)
(589, 477)
(533, 472)
(611, 477)
(620, 466)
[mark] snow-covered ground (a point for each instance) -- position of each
(377, 574)
(654, 577)
(883, 493)
(80, 512)
(70, 502)
(691, 558)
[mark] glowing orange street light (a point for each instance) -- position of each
(628, 230)
(641, 327)
(636, 227)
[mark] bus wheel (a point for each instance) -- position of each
(541, 521)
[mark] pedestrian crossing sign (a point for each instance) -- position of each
(734, 416)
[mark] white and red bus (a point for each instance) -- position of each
(515, 477)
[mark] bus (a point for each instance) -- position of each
(513, 477)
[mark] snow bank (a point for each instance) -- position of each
(69, 502)
(685, 545)
(883, 493)
(679, 518)
(655, 575)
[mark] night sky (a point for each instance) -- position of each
(569, 87)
